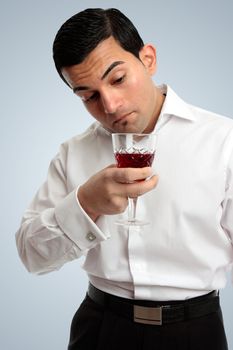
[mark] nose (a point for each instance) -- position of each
(111, 101)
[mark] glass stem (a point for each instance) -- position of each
(132, 209)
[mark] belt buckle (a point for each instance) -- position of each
(148, 315)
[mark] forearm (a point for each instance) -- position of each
(42, 245)
(49, 238)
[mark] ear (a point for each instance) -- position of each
(148, 57)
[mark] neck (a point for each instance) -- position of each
(159, 100)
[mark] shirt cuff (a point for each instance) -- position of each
(77, 225)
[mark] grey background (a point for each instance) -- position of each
(38, 112)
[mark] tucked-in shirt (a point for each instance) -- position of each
(186, 249)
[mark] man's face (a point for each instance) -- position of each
(117, 88)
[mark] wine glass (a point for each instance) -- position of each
(133, 151)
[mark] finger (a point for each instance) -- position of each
(130, 175)
(137, 189)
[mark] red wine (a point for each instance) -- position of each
(134, 160)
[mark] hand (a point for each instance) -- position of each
(107, 192)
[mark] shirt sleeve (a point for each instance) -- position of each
(55, 229)
(227, 217)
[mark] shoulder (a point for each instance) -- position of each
(212, 125)
(206, 116)
(82, 138)
(86, 141)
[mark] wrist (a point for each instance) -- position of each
(82, 198)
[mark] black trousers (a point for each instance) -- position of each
(94, 328)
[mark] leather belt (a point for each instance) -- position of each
(156, 312)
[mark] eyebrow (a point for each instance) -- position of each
(108, 70)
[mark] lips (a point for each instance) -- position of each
(122, 117)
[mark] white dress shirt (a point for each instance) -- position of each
(187, 248)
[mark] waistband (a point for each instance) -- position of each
(156, 312)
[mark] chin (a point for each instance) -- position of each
(129, 125)
(129, 129)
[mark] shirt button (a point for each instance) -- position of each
(90, 237)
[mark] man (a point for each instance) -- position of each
(151, 287)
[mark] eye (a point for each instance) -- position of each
(119, 80)
(91, 98)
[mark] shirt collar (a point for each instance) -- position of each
(174, 106)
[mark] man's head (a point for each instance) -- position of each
(100, 55)
(80, 34)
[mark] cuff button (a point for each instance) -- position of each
(90, 237)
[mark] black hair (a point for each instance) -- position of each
(81, 33)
